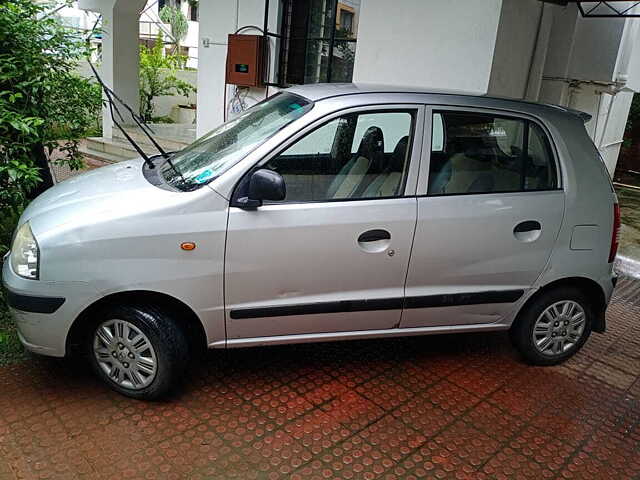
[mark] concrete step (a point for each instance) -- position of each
(111, 146)
(101, 156)
(170, 137)
(119, 147)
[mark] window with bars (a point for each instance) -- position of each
(318, 41)
(193, 12)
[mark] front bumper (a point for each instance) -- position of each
(44, 311)
(33, 304)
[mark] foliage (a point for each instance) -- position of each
(164, 119)
(158, 76)
(7, 224)
(44, 104)
(178, 22)
(634, 113)
(344, 59)
(11, 350)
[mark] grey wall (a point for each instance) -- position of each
(427, 43)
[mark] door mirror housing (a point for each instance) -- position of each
(264, 184)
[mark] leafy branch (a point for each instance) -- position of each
(44, 104)
(158, 76)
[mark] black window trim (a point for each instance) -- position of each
(507, 115)
(285, 37)
(412, 108)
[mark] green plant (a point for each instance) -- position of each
(11, 349)
(164, 119)
(44, 104)
(158, 76)
(178, 23)
(634, 112)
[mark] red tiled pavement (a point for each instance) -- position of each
(434, 407)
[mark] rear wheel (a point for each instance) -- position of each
(138, 351)
(554, 326)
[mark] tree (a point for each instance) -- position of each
(44, 104)
(158, 76)
(178, 23)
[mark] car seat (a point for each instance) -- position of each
(386, 184)
(354, 171)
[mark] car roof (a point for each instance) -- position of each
(321, 91)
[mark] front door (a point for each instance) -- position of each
(488, 218)
(333, 256)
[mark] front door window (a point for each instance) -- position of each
(355, 156)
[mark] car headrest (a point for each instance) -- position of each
(372, 143)
(475, 147)
(399, 154)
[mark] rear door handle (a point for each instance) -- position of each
(374, 235)
(527, 226)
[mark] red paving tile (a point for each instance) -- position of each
(459, 407)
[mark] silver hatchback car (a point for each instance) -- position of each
(327, 212)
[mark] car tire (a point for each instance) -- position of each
(553, 326)
(139, 351)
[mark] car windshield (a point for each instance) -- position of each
(216, 152)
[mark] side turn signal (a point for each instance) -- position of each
(188, 246)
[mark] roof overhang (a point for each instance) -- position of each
(604, 8)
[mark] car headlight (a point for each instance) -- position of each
(25, 254)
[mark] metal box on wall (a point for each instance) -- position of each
(244, 60)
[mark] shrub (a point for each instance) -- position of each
(44, 104)
(158, 76)
(178, 23)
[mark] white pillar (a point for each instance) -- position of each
(119, 68)
(611, 126)
(217, 20)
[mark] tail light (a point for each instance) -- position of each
(615, 235)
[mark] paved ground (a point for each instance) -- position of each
(431, 407)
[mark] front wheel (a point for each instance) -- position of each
(553, 327)
(139, 351)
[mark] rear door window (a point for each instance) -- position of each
(475, 153)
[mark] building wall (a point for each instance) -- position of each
(595, 48)
(219, 18)
(513, 58)
(427, 43)
(591, 66)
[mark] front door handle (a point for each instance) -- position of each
(527, 226)
(374, 236)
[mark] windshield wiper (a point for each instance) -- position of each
(111, 95)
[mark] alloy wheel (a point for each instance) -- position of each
(559, 328)
(125, 354)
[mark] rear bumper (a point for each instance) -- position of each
(608, 284)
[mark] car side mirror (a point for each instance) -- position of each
(264, 184)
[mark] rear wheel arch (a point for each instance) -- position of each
(591, 289)
(185, 317)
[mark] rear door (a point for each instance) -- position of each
(490, 206)
(333, 256)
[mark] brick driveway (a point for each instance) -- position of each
(432, 407)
